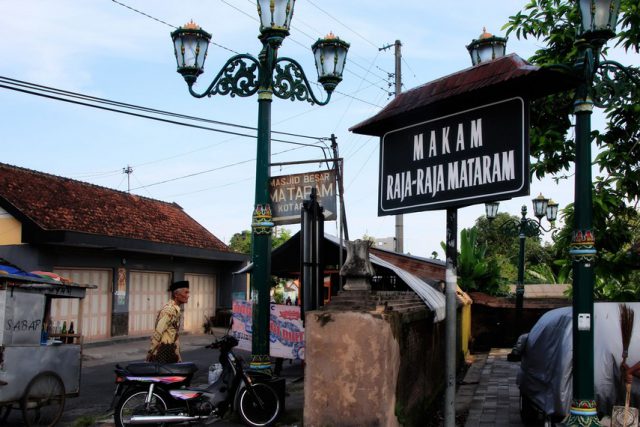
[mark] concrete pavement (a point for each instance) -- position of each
(488, 393)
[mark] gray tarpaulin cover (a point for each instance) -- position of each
(545, 374)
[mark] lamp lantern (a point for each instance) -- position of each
(552, 211)
(190, 43)
(491, 210)
(599, 19)
(275, 18)
(330, 54)
(540, 204)
(268, 75)
(487, 47)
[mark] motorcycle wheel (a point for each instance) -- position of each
(258, 406)
(132, 403)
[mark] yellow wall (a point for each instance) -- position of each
(466, 329)
(10, 229)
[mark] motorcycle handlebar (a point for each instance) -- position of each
(226, 340)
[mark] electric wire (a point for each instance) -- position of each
(166, 23)
(365, 163)
(315, 30)
(341, 23)
(319, 140)
(209, 170)
(49, 89)
(164, 120)
(231, 50)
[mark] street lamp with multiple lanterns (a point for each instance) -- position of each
(523, 228)
(600, 83)
(244, 75)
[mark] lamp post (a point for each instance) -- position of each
(267, 75)
(523, 228)
(601, 83)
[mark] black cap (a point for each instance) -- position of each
(178, 285)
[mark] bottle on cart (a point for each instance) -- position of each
(63, 332)
(71, 332)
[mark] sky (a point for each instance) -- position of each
(122, 51)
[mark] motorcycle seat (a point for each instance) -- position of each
(151, 368)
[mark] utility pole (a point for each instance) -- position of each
(342, 225)
(128, 170)
(399, 240)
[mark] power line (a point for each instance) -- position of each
(254, 19)
(166, 23)
(59, 94)
(344, 25)
(144, 14)
(209, 170)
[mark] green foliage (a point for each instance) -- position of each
(475, 270)
(553, 24)
(618, 231)
(504, 248)
(241, 242)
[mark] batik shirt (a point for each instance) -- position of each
(166, 330)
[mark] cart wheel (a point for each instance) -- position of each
(43, 400)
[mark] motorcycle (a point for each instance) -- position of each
(152, 393)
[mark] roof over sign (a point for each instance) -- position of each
(53, 203)
(501, 78)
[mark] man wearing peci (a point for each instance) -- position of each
(165, 345)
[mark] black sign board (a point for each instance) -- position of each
(470, 157)
(288, 192)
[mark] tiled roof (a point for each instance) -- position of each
(57, 203)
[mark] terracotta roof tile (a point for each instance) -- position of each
(57, 203)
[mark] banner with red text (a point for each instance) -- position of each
(286, 339)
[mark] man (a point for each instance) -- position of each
(165, 346)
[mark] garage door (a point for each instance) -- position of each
(202, 301)
(96, 305)
(147, 294)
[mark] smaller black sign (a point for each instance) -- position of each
(288, 192)
(470, 157)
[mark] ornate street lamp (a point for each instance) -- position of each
(602, 83)
(524, 228)
(487, 47)
(244, 75)
(491, 209)
(599, 19)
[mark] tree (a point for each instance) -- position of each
(241, 242)
(504, 248)
(475, 271)
(617, 186)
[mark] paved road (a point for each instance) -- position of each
(488, 394)
(97, 378)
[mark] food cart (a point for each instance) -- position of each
(37, 372)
